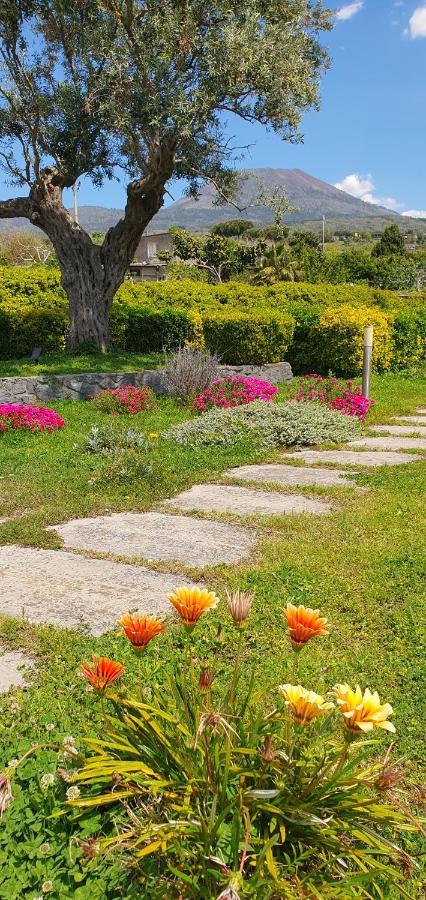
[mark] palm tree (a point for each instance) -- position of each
(277, 264)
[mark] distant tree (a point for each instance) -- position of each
(298, 240)
(268, 232)
(25, 248)
(232, 227)
(221, 257)
(92, 87)
(391, 243)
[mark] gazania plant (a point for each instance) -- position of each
(218, 792)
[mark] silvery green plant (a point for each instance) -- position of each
(109, 440)
(270, 424)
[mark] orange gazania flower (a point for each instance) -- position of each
(141, 629)
(304, 623)
(102, 672)
(191, 603)
(362, 711)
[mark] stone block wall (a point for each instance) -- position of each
(45, 388)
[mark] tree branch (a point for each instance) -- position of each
(20, 207)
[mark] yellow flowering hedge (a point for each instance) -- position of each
(338, 338)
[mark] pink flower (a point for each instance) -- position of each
(19, 416)
(236, 390)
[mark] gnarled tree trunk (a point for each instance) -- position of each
(92, 274)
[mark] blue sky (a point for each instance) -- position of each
(370, 134)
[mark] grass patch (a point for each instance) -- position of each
(70, 364)
(363, 566)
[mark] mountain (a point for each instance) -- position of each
(312, 197)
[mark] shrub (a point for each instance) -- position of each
(270, 424)
(188, 371)
(408, 338)
(237, 390)
(346, 398)
(338, 339)
(18, 417)
(109, 440)
(148, 330)
(241, 338)
(126, 399)
(223, 790)
(22, 328)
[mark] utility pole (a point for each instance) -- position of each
(323, 234)
(75, 188)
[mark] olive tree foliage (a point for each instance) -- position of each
(142, 90)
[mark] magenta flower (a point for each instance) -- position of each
(19, 416)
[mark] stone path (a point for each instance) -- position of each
(68, 589)
(12, 665)
(390, 443)
(278, 473)
(156, 536)
(352, 458)
(245, 501)
(418, 420)
(401, 429)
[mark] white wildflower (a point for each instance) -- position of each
(47, 780)
(73, 793)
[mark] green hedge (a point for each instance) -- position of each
(248, 338)
(315, 326)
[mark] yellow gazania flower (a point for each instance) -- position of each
(153, 435)
(362, 711)
(191, 603)
(304, 705)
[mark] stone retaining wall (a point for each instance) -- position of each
(41, 388)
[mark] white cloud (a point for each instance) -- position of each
(417, 23)
(351, 9)
(362, 187)
(415, 213)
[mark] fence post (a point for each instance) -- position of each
(366, 365)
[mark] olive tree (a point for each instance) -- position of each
(142, 90)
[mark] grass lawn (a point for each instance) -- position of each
(363, 566)
(72, 364)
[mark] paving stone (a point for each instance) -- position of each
(246, 501)
(417, 420)
(11, 674)
(421, 412)
(390, 443)
(352, 458)
(401, 429)
(154, 535)
(65, 590)
(277, 473)
(4, 519)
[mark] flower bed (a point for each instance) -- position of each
(348, 400)
(18, 416)
(128, 400)
(237, 390)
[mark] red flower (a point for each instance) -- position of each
(102, 672)
(141, 629)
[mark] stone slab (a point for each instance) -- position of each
(390, 443)
(246, 501)
(158, 536)
(352, 458)
(417, 420)
(421, 412)
(64, 589)
(401, 429)
(11, 670)
(277, 473)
